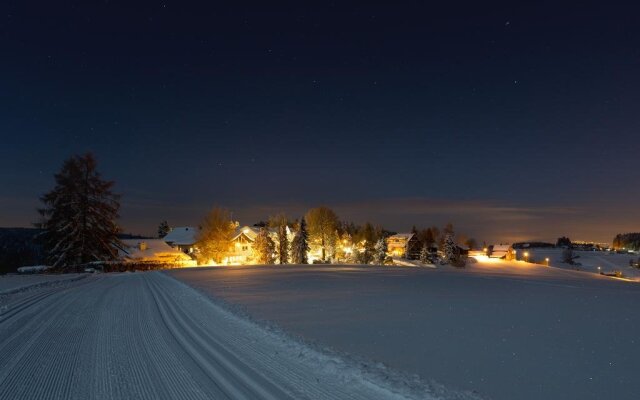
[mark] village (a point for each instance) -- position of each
(180, 248)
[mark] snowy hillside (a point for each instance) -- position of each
(588, 260)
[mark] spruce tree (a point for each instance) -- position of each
(424, 254)
(79, 215)
(380, 251)
(283, 245)
(300, 245)
(264, 247)
(449, 249)
(163, 229)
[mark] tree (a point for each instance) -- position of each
(79, 215)
(567, 256)
(264, 247)
(426, 237)
(449, 249)
(300, 245)
(424, 254)
(380, 251)
(447, 230)
(283, 245)
(471, 243)
(213, 237)
(163, 229)
(323, 225)
(280, 223)
(563, 242)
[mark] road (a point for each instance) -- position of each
(148, 336)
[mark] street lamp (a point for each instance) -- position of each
(547, 261)
(526, 256)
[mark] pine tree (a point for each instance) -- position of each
(279, 222)
(300, 245)
(283, 245)
(163, 229)
(424, 254)
(380, 251)
(79, 215)
(450, 249)
(264, 247)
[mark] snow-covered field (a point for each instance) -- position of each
(588, 260)
(149, 336)
(13, 283)
(507, 330)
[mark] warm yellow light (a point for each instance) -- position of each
(526, 254)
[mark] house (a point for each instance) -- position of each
(241, 246)
(183, 238)
(154, 251)
(405, 245)
(500, 251)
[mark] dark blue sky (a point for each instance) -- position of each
(511, 121)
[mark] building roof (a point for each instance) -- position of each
(181, 236)
(248, 231)
(406, 236)
(151, 250)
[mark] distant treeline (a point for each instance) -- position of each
(20, 247)
(630, 241)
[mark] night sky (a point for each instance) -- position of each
(513, 122)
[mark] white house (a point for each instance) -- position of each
(500, 251)
(183, 238)
(154, 251)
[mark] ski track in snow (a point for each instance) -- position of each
(148, 336)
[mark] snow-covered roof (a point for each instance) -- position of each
(151, 250)
(248, 231)
(404, 236)
(501, 247)
(182, 236)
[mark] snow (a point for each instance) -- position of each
(156, 250)
(181, 236)
(32, 269)
(588, 260)
(15, 283)
(410, 263)
(506, 330)
(148, 336)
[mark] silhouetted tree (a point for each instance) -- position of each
(300, 245)
(79, 215)
(163, 229)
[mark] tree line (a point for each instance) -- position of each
(630, 241)
(78, 225)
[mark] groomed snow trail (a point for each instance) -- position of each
(148, 336)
